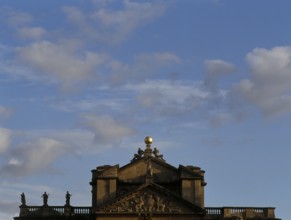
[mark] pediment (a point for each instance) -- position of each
(137, 170)
(150, 198)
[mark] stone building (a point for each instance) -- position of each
(147, 188)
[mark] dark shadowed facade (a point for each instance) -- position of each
(147, 188)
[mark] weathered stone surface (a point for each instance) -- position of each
(153, 199)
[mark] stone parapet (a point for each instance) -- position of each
(240, 213)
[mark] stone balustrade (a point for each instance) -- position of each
(244, 212)
(212, 212)
(53, 210)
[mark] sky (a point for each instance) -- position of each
(82, 82)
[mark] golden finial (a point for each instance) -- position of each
(148, 140)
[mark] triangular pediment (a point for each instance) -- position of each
(150, 198)
(137, 170)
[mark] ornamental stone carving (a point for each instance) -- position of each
(147, 201)
(148, 152)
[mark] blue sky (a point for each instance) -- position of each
(83, 82)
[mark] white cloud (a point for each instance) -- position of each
(177, 91)
(60, 62)
(221, 118)
(5, 139)
(79, 141)
(158, 58)
(144, 66)
(31, 32)
(34, 156)
(91, 104)
(134, 13)
(106, 129)
(5, 112)
(166, 97)
(113, 26)
(15, 18)
(102, 3)
(69, 65)
(37, 150)
(14, 161)
(269, 87)
(13, 69)
(216, 69)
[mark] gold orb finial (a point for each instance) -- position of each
(148, 140)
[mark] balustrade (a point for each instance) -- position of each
(245, 212)
(212, 212)
(59, 210)
(82, 210)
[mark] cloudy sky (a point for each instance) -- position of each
(82, 82)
